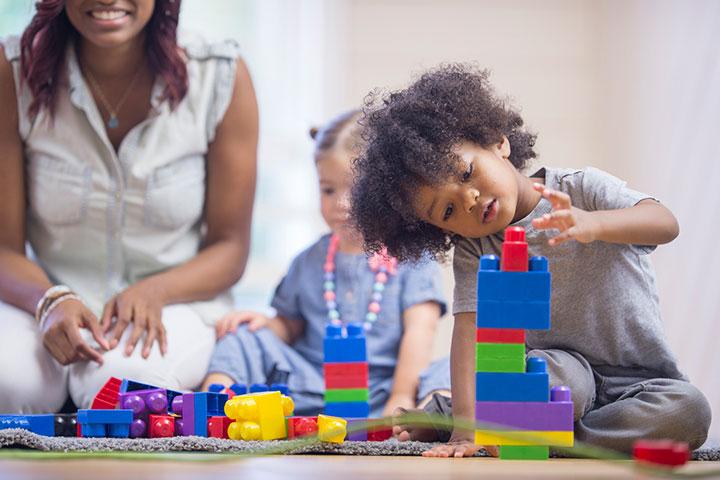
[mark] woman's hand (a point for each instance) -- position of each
(573, 223)
(230, 322)
(140, 304)
(61, 333)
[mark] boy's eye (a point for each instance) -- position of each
(468, 173)
(448, 212)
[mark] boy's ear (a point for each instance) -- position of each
(504, 147)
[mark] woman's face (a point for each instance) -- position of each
(109, 23)
(480, 200)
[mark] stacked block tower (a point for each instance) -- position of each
(345, 368)
(510, 392)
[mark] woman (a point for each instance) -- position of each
(129, 168)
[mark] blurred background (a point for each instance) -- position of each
(631, 87)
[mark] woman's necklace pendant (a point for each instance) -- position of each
(113, 122)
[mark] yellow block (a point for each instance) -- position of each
(331, 429)
(523, 437)
(258, 416)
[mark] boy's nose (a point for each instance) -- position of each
(471, 196)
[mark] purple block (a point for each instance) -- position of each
(535, 416)
(178, 426)
(188, 414)
(138, 428)
(359, 435)
(144, 402)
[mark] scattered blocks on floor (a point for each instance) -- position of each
(107, 396)
(667, 453)
(298, 427)
(66, 425)
(42, 424)
(509, 452)
(217, 427)
(161, 426)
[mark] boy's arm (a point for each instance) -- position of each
(646, 223)
(419, 324)
(462, 373)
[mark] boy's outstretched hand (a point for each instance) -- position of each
(573, 223)
(459, 446)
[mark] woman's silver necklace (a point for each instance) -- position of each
(113, 121)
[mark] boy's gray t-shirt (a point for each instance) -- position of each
(604, 302)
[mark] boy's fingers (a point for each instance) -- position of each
(563, 237)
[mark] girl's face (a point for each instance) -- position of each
(480, 200)
(335, 175)
(109, 23)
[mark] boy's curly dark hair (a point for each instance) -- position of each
(409, 137)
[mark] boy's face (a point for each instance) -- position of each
(480, 199)
(335, 175)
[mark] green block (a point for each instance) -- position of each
(502, 365)
(500, 357)
(500, 350)
(347, 395)
(511, 452)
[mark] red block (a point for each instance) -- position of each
(500, 335)
(345, 382)
(346, 375)
(161, 426)
(107, 397)
(514, 256)
(379, 434)
(218, 427)
(661, 452)
(301, 427)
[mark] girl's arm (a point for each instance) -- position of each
(419, 324)
(647, 223)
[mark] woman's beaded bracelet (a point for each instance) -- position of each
(54, 304)
(50, 295)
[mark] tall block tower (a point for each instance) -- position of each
(512, 392)
(345, 368)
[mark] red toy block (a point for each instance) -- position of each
(301, 426)
(335, 383)
(379, 434)
(161, 426)
(661, 452)
(350, 369)
(218, 426)
(107, 397)
(500, 335)
(514, 256)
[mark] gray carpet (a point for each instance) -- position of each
(17, 438)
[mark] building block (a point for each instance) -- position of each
(500, 335)
(196, 408)
(511, 387)
(161, 426)
(42, 424)
(500, 350)
(144, 402)
(509, 452)
(514, 256)
(666, 453)
(527, 315)
(283, 388)
(535, 438)
(66, 425)
(346, 382)
(503, 365)
(107, 396)
(379, 433)
(216, 387)
(349, 369)
(298, 427)
(331, 429)
(530, 286)
(132, 386)
(556, 416)
(347, 409)
(217, 427)
(239, 388)
(348, 346)
(347, 395)
(357, 429)
(105, 423)
(259, 387)
(258, 416)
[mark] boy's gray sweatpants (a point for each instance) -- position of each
(615, 406)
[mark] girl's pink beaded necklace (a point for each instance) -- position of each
(380, 263)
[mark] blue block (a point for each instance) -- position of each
(280, 387)
(511, 314)
(512, 387)
(42, 424)
(348, 409)
(132, 385)
(514, 286)
(118, 416)
(94, 430)
(258, 387)
(205, 405)
(118, 430)
(14, 421)
(239, 388)
(348, 347)
(216, 388)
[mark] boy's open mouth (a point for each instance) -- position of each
(490, 211)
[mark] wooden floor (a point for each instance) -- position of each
(321, 467)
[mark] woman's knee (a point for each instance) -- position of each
(31, 381)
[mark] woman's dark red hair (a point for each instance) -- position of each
(44, 42)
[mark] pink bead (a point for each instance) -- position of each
(329, 296)
(329, 267)
(374, 307)
(381, 277)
